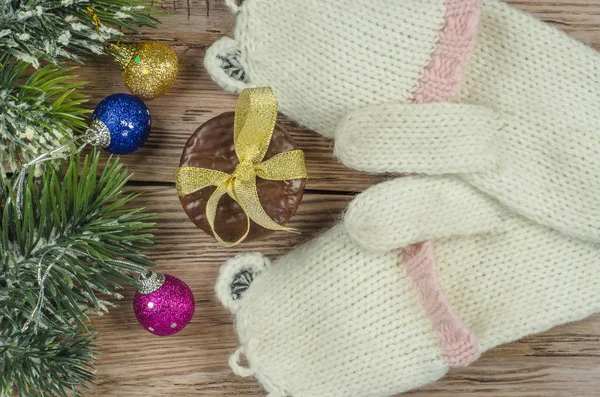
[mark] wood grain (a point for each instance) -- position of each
(564, 362)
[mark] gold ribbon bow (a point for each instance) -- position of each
(255, 115)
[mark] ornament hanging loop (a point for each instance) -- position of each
(98, 22)
(36, 314)
(153, 280)
(95, 18)
(20, 182)
(96, 135)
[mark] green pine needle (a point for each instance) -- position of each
(56, 30)
(39, 110)
(49, 362)
(76, 224)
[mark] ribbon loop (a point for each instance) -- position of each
(283, 166)
(255, 117)
(192, 179)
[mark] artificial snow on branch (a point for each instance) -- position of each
(39, 110)
(56, 30)
(76, 242)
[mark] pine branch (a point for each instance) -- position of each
(50, 362)
(78, 230)
(56, 30)
(39, 110)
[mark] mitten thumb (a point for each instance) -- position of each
(433, 138)
(408, 210)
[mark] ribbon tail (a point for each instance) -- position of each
(283, 166)
(211, 213)
(247, 198)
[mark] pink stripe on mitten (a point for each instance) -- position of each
(458, 343)
(442, 78)
(440, 82)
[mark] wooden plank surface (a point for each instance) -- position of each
(564, 362)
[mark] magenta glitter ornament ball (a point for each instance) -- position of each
(164, 305)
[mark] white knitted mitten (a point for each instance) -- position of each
(349, 315)
(524, 95)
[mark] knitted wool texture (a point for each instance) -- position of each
(524, 111)
(350, 313)
(335, 317)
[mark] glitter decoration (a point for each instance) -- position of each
(98, 134)
(149, 69)
(167, 309)
(128, 121)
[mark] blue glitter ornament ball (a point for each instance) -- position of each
(125, 119)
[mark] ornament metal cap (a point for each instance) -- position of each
(98, 134)
(123, 53)
(150, 282)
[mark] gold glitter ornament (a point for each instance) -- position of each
(149, 69)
